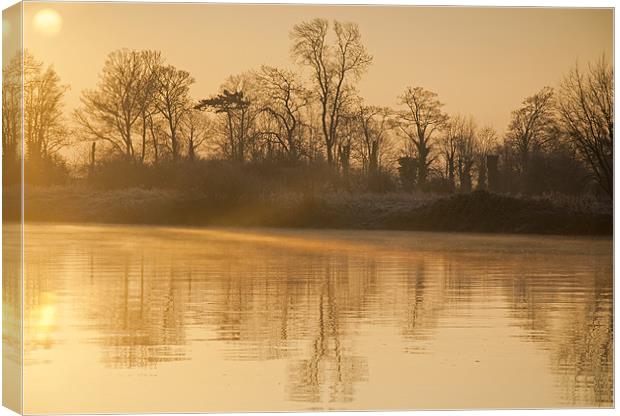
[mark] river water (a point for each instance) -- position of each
(152, 319)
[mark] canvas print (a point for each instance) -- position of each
(244, 207)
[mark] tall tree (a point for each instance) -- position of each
(283, 98)
(348, 133)
(375, 123)
(486, 146)
(149, 120)
(421, 120)
(449, 146)
(44, 126)
(172, 101)
(235, 107)
(195, 129)
(466, 149)
(530, 126)
(586, 107)
(110, 113)
(335, 67)
(11, 113)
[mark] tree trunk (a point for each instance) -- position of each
(143, 151)
(422, 167)
(91, 167)
(190, 150)
(330, 154)
(373, 159)
(451, 174)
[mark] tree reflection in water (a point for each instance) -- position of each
(148, 297)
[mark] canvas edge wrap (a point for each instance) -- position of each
(12, 209)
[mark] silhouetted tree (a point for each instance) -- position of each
(44, 124)
(486, 145)
(335, 67)
(529, 128)
(92, 159)
(282, 98)
(195, 128)
(44, 127)
(348, 133)
(172, 102)
(235, 105)
(141, 109)
(448, 145)
(11, 114)
(149, 109)
(586, 107)
(419, 122)
(466, 149)
(374, 122)
(110, 112)
(156, 131)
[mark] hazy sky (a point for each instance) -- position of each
(481, 61)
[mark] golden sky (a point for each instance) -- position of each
(481, 61)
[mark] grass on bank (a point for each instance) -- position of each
(472, 212)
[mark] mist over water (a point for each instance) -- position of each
(169, 319)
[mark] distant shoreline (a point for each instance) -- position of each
(473, 212)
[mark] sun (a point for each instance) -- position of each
(47, 22)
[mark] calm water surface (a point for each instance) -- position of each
(167, 319)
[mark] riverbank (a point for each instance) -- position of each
(475, 212)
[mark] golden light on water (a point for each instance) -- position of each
(45, 319)
(47, 22)
(325, 319)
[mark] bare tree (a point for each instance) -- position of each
(335, 67)
(313, 142)
(172, 102)
(282, 98)
(586, 107)
(466, 149)
(449, 146)
(348, 133)
(148, 118)
(11, 111)
(110, 112)
(459, 145)
(237, 105)
(419, 122)
(229, 104)
(44, 125)
(529, 126)
(195, 128)
(375, 123)
(486, 146)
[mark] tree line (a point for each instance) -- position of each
(141, 113)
